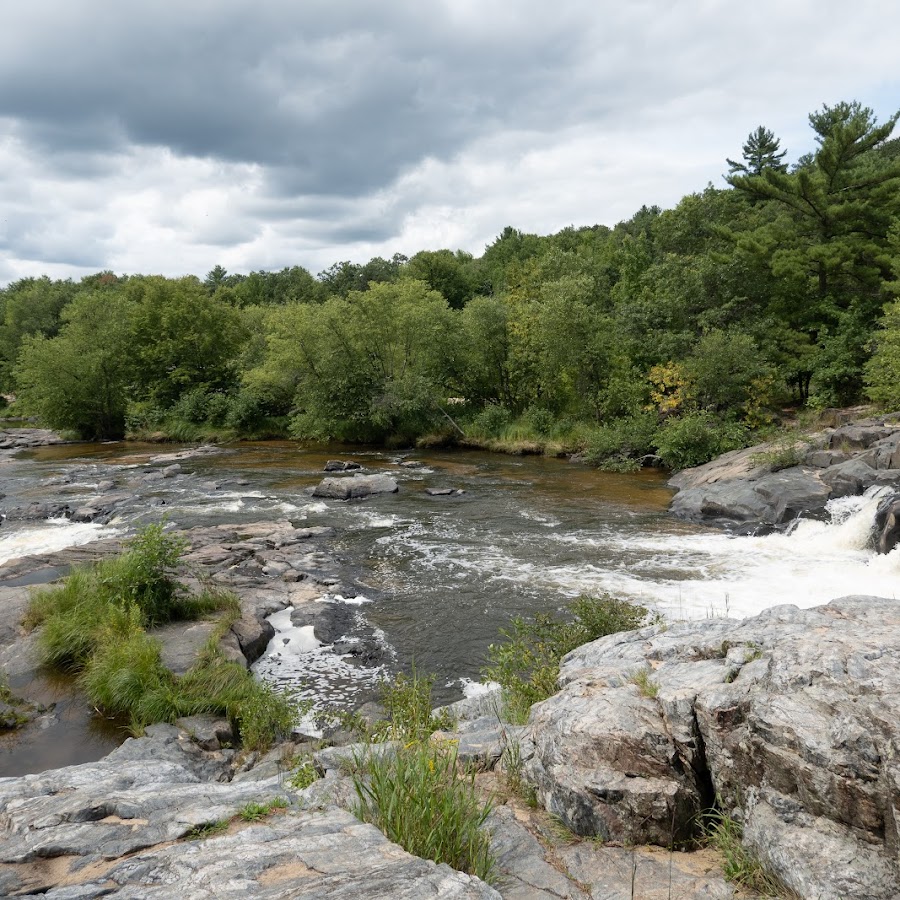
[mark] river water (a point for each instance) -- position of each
(438, 576)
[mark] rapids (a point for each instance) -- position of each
(439, 576)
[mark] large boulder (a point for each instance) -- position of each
(791, 719)
(887, 524)
(355, 487)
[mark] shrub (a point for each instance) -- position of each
(417, 797)
(540, 421)
(492, 420)
(696, 438)
(619, 446)
(526, 663)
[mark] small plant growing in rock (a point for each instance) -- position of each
(207, 829)
(303, 775)
(740, 866)
(253, 812)
(645, 683)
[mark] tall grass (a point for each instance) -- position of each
(419, 799)
(93, 625)
(416, 793)
(526, 662)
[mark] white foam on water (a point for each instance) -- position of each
(474, 688)
(358, 600)
(681, 571)
(50, 537)
(297, 661)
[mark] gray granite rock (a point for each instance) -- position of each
(791, 718)
(355, 487)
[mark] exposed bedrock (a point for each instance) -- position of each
(740, 488)
(790, 721)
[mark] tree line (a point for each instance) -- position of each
(676, 333)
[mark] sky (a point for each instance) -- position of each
(169, 137)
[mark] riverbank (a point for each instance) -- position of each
(716, 659)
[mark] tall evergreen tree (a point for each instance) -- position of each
(761, 152)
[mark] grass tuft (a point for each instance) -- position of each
(741, 866)
(645, 684)
(419, 799)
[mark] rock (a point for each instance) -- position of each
(619, 874)
(887, 524)
(182, 643)
(340, 465)
(524, 871)
(355, 487)
(791, 718)
(439, 492)
(208, 732)
(849, 478)
(859, 436)
(791, 493)
(411, 464)
(253, 635)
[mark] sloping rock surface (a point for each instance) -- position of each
(741, 488)
(791, 719)
(117, 827)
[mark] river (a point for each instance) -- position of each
(437, 577)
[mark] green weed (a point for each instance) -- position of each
(207, 829)
(419, 799)
(526, 662)
(253, 812)
(645, 683)
(740, 865)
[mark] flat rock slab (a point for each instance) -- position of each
(620, 874)
(117, 828)
(326, 855)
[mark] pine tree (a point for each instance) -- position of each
(760, 153)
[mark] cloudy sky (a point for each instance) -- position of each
(167, 137)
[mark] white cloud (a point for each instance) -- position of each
(171, 138)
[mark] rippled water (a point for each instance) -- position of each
(444, 574)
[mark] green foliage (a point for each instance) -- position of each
(303, 775)
(491, 421)
(419, 799)
(526, 662)
(619, 446)
(93, 626)
(77, 380)
(696, 438)
(407, 701)
(254, 812)
(740, 865)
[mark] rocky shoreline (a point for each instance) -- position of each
(788, 723)
(769, 486)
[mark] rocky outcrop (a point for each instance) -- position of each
(355, 487)
(741, 488)
(122, 827)
(25, 438)
(789, 721)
